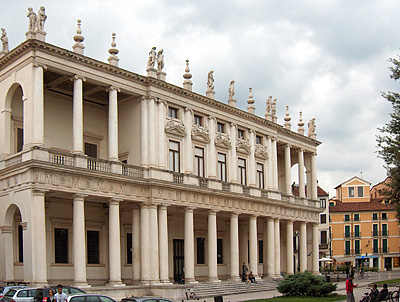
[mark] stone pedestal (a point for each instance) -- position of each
(161, 75)
(151, 72)
(232, 102)
(38, 35)
(210, 94)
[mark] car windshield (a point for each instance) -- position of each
(26, 293)
(10, 293)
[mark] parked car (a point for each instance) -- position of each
(89, 298)
(20, 295)
(144, 299)
(5, 289)
(43, 293)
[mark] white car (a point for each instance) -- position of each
(89, 298)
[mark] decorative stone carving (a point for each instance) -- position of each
(222, 140)
(175, 127)
(200, 133)
(210, 85)
(231, 90)
(251, 108)
(160, 60)
(36, 24)
(78, 38)
(287, 119)
(152, 58)
(273, 111)
(4, 41)
(113, 51)
(187, 83)
(261, 151)
(300, 130)
(311, 129)
(268, 115)
(41, 18)
(32, 19)
(242, 145)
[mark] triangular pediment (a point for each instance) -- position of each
(200, 134)
(175, 128)
(223, 141)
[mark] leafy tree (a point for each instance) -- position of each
(389, 142)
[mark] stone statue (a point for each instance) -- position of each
(269, 105)
(41, 18)
(311, 127)
(231, 90)
(160, 60)
(210, 80)
(32, 19)
(273, 108)
(4, 40)
(152, 58)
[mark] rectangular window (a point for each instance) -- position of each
(20, 139)
(374, 230)
(375, 216)
(220, 258)
(322, 203)
(375, 246)
(201, 251)
(258, 140)
(199, 161)
(220, 127)
(357, 249)
(384, 229)
(221, 167)
(260, 176)
(351, 191)
(360, 191)
(331, 204)
(174, 156)
(172, 112)
(384, 216)
(357, 231)
(384, 245)
(347, 231)
(240, 133)
(242, 171)
(91, 150)
(323, 218)
(197, 120)
(129, 248)
(60, 245)
(260, 251)
(356, 217)
(346, 217)
(347, 248)
(324, 237)
(93, 247)
(20, 244)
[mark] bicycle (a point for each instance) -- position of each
(395, 295)
(190, 295)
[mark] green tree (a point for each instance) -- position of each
(389, 142)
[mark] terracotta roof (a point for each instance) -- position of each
(373, 205)
(320, 191)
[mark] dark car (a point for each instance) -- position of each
(145, 299)
(43, 293)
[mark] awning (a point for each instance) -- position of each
(325, 259)
(366, 257)
(344, 259)
(391, 255)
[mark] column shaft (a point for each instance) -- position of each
(188, 163)
(212, 246)
(252, 160)
(303, 247)
(163, 240)
(212, 155)
(144, 244)
(289, 247)
(152, 133)
(270, 247)
(277, 248)
(288, 174)
(136, 244)
(253, 245)
(114, 237)
(274, 164)
(79, 241)
(315, 249)
(234, 247)
(233, 157)
(161, 134)
(314, 192)
(38, 106)
(144, 139)
(265, 246)
(153, 237)
(77, 117)
(38, 230)
(189, 245)
(270, 184)
(113, 124)
(302, 192)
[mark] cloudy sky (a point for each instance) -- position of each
(328, 59)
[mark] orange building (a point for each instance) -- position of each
(364, 229)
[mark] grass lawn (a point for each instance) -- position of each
(333, 297)
(391, 281)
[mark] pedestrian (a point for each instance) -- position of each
(244, 271)
(60, 296)
(382, 294)
(347, 271)
(251, 277)
(349, 289)
(352, 272)
(51, 297)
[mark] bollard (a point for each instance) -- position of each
(390, 276)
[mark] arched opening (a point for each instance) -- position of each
(14, 120)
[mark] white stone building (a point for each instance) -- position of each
(111, 177)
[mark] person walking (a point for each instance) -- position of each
(51, 297)
(60, 296)
(349, 289)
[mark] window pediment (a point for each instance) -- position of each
(222, 140)
(175, 127)
(200, 134)
(261, 152)
(243, 146)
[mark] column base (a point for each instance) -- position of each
(235, 279)
(82, 285)
(116, 284)
(191, 281)
(214, 279)
(40, 284)
(165, 282)
(144, 282)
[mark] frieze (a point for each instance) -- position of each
(200, 134)
(175, 127)
(243, 145)
(261, 152)
(222, 140)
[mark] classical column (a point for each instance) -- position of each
(153, 237)
(252, 160)
(234, 247)
(79, 241)
(302, 192)
(212, 246)
(161, 134)
(212, 153)
(288, 173)
(253, 245)
(274, 164)
(265, 245)
(114, 236)
(113, 124)
(233, 157)
(314, 193)
(289, 247)
(163, 241)
(38, 105)
(277, 248)
(144, 139)
(243, 242)
(188, 162)
(144, 244)
(136, 244)
(77, 116)
(189, 245)
(270, 244)
(152, 132)
(303, 246)
(38, 229)
(7, 232)
(315, 249)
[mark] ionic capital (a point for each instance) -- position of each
(112, 88)
(37, 65)
(78, 77)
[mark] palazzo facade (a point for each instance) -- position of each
(111, 177)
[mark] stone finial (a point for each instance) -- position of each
(287, 119)
(113, 58)
(187, 83)
(78, 38)
(251, 108)
(151, 71)
(311, 129)
(36, 24)
(268, 108)
(231, 91)
(160, 65)
(273, 111)
(4, 43)
(300, 130)
(210, 93)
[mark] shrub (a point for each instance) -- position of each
(305, 284)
